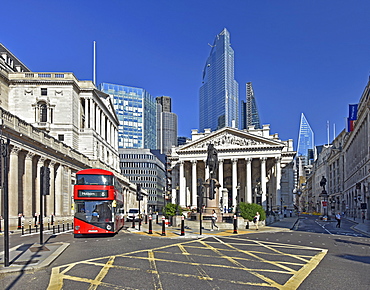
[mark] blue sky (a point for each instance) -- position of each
(301, 56)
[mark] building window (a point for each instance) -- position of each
(44, 91)
(43, 113)
(60, 137)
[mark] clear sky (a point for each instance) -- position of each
(309, 56)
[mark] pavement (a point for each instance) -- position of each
(33, 257)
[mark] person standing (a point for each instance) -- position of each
(214, 218)
(256, 220)
(338, 217)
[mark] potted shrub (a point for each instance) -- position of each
(248, 212)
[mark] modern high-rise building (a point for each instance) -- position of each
(147, 168)
(136, 111)
(219, 94)
(249, 112)
(166, 125)
(305, 138)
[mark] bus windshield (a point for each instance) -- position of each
(94, 211)
(94, 179)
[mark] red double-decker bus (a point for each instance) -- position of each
(98, 202)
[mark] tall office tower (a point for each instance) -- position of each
(136, 111)
(249, 111)
(166, 125)
(305, 139)
(219, 94)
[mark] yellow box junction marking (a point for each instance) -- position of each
(292, 263)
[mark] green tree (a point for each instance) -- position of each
(171, 209)
(249, 210)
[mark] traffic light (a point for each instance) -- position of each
(139, 195)
(45, 177)
(212, 189)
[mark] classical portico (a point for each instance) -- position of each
(249, 169)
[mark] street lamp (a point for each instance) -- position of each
(237, 198)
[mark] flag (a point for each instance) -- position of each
(353, 112)
(350, 125)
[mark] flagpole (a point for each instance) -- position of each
(327, 128)
(94, 64)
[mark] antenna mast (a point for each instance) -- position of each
(94, 64)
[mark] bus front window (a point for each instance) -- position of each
(94, 211)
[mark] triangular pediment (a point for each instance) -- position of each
(230, 138)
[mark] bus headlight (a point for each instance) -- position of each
(109, 227)
(77, 228)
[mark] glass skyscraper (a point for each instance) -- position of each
(249, 111)
(305, 138)
(136, 111)
(219, 94)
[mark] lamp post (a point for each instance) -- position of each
(281, 205)
(237, 199)
(177, 198)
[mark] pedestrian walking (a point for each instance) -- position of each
(338, 217)
(256, 219)
(214, 218)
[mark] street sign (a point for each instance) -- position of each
(324, 203)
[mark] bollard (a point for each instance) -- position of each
(36, 228)
(182, 226)
(247, 225)
(235, 225)
(22, 230)
(156, 219)
(133, 222)
(29, 227)
(163, 226)
(67, 226)
(150, 225)
(1, 218)
(63, 226)
(53, 229)
(19, 221)
(52, 219)
(146, 219)
(58, 228)
(48, 224)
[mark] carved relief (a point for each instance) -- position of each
(227, 139)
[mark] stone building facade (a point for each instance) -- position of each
(254, 166)
(58, 121)
(345, 163)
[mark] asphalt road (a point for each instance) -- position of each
(316, 255)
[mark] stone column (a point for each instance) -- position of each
(182, 185)
(234, 182)
(51, 197)
(13, 183)
(92, 115)
(221, 173)
(206, 173)
(40, 163)
(194, 182)
(28, 186)
(248, 179)
(278, 180)
(263, 181)
(87, 113)
(58, 190)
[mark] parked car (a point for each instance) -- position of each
(133, 213)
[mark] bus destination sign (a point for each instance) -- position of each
(93, 193)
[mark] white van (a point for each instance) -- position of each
(133, 213)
